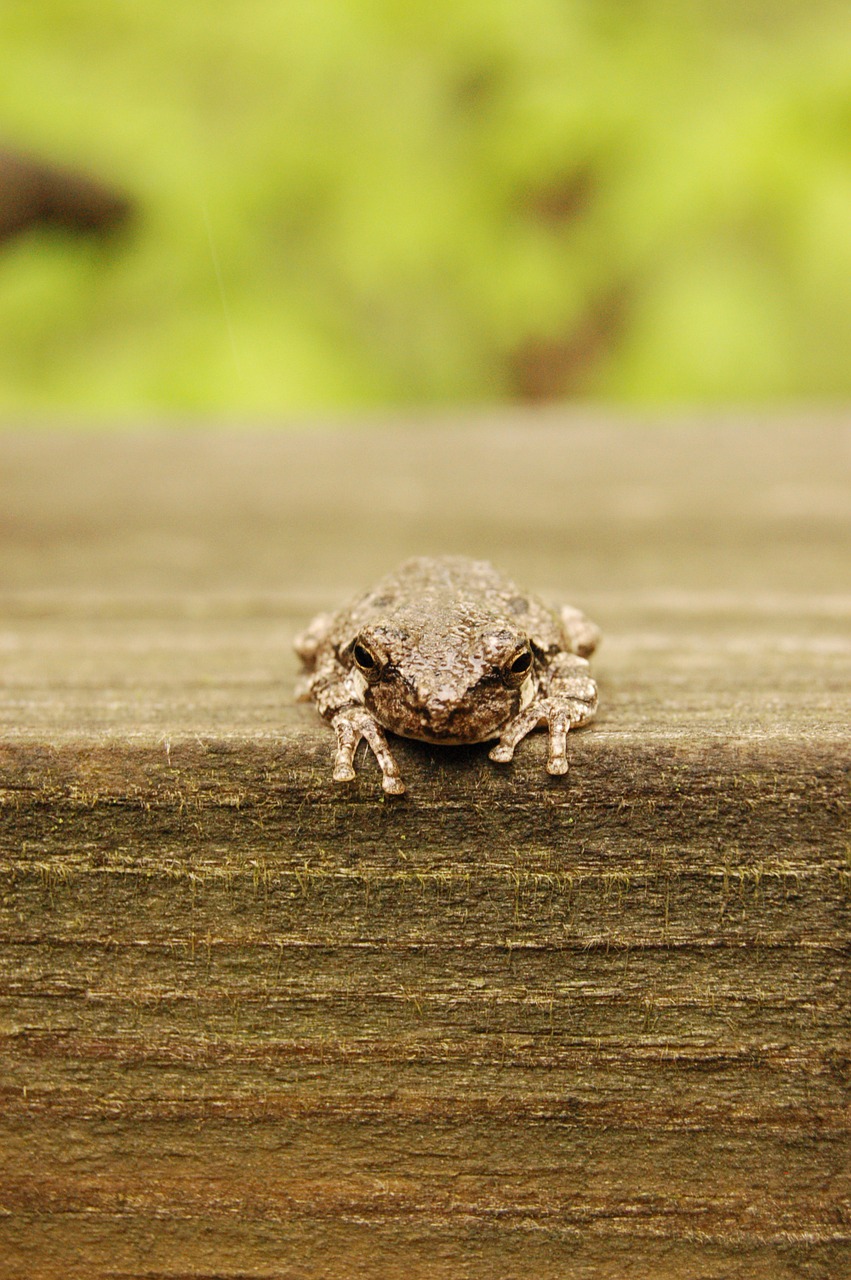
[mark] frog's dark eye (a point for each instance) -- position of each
(365, 659)
(517, 667)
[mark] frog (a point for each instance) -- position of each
(448, 650)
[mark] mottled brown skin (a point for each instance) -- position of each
(447, 650)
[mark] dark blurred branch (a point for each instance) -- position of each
(34, 193)
(551, 367)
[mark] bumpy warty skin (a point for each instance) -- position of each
(448, 650)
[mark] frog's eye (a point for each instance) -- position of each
(517, 667)
(365, 659)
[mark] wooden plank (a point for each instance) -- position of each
(252, 1023)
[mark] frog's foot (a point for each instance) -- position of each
(351, 725)
(560, 714)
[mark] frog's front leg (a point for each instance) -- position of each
(337, 694)
(566, 700)
(351, 724)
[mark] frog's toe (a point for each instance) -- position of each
(559, 724)
(390, 778)
(515, 731)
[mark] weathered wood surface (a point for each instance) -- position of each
(253, 1024)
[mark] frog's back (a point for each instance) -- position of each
(423, 582)
(425, 587)
(437, 591)
(459, 574)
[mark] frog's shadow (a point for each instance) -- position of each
(436, 756)
(433, 761)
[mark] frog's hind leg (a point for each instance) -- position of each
(581, 635)
(308, 642)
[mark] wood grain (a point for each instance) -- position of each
(255, 1024)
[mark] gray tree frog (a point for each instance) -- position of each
(447, 650)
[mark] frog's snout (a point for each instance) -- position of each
(436, 706)
(433, 718)
(443, 694)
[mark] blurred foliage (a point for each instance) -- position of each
(346, 203)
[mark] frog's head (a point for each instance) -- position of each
(459, 687)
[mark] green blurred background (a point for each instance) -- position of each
(355, 204)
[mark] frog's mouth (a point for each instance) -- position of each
(448, 739)
(478, 717)
(454, 729)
